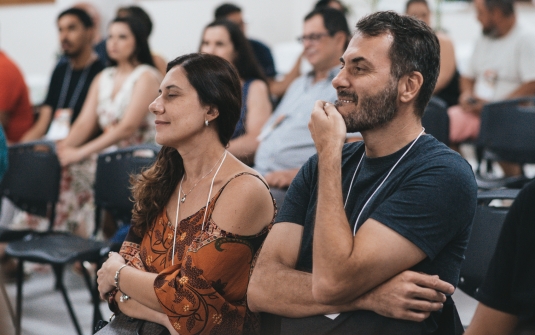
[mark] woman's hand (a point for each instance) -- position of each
(106, 274)
(69, 155)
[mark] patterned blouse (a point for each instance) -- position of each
(204, 292)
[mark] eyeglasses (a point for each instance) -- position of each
(312, 37)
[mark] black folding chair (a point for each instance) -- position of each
(35, 192)
(436, 120)
(486, 228)
(59, 249)
(507, 135)
(112, 192)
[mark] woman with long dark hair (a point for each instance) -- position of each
(115, 114)
(200, 214)
(224, 38)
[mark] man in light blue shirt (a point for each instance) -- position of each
(285, 141)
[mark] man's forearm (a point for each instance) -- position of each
(527, 89)
(331, 229)
(279, 290)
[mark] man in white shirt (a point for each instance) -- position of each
(501, 68)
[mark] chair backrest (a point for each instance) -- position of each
(112, 180)
(33, 178)
(507, 130)
(486, 228)
(436, 121)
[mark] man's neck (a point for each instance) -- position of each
(322, 72)
(83, 59)
(393, 136)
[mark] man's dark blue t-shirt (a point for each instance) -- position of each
(429, 199)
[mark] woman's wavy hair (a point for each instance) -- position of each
(245, 62)
(218, 85)
(141, 52)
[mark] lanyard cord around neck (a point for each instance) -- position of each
(205, 208)
(378, 187)
(77, 90)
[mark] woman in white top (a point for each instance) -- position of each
(115, 114)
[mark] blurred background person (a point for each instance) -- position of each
(223, 38)
(447, 87)
(71, 79)
(279, 87)
(137, 12)
(261, 51)
(16, 112)
(115, 114)
(501, 68)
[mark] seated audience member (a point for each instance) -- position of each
(261, 51)
(285, 142)
(359, 214)
(278, 88)
(223, 38)
(506, 298)
(116, 108)
(16, 113)
(200, 215)
(70, 80)
(142, 16)
(501, 67)
(99, 43)
(447, 87)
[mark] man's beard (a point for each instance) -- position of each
(373, 112)
(491, 31)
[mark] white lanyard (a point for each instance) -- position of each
(378, 187)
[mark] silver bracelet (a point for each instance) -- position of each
(116, 278)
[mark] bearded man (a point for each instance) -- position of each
(368, 228)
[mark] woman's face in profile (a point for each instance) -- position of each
(179, 115)
(216, 41)
(121, 43)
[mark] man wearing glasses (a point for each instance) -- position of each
(285, 141)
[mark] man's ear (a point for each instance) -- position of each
(409, 86)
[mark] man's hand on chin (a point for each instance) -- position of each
(327, 128)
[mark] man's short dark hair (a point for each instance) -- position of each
(507, 7)
(414, 48)
(325, 3)
(81, 14)
(333, 20)
(225, 10)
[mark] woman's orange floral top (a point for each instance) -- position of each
(204, 292)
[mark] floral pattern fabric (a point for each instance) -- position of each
(204, 292)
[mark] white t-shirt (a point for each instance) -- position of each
(501, 65)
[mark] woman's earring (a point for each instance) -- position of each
(206, 123)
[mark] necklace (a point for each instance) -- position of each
(378, 187)
(205, 208)
(183, 199)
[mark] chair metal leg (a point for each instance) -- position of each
(8, 302)
(58, 270)
(95, 297)
(20, 279)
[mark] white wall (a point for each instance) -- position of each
(28, 32)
